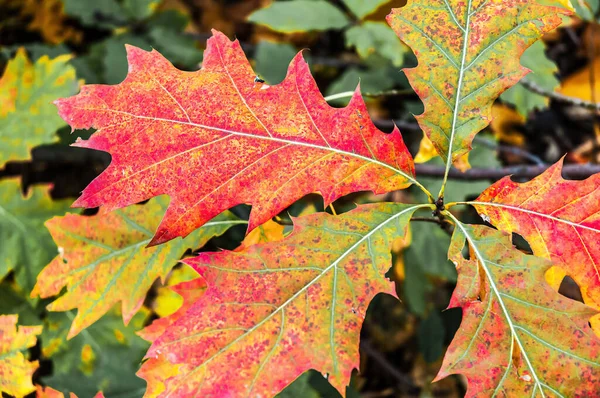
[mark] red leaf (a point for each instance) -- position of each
(560, 219)
(215, 138)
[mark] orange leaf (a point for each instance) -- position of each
(468, 54)
(215, 138)
(15, 370)
(104, 261)
(278, 309)
(48, 392)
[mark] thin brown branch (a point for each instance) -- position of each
(575, 171)
(534, 88)
(405, 382)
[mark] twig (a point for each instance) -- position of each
(534, 88)
(509, 149)
(576, 171)
(405, 383)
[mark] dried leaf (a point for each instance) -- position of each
(216, 138)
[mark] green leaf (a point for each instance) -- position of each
(430, 246)
(376, 37)
(140, 9)
(542, 74)
(362, 8)
(104, 357)
(272, 60)
(99, 13)
(300, 16)
(25, 244)
(431, 337)
(27, 116)
(371, 81)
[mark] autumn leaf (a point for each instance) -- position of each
(298, 304)
(27, 117)
(25, 244)
(560, 219)
(103, 260)
(215, 138)
(518, 337)
(468, 54)
(49, 392)
(15, 370)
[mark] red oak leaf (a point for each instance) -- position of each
(274, 310)
(215, 138)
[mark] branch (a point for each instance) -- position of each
(534, 88)
(575, 171)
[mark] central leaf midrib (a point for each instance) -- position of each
(242, 134)
(461, 71)
(497, 293)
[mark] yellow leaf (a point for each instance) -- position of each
(15, 370)
(578, 84)
(505, 125)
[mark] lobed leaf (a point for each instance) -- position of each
(297, 304)
(560, 219)
(103, 260)
(15, 370)
(27, 118)
(215, 138)
(468, 53)
(518, 337)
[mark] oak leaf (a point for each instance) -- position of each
(103, 260)
(15, 370)
(468, 54)
(298, 304)
(216, 138)
(518, 337)
(560, 219)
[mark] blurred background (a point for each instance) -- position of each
(62, 44)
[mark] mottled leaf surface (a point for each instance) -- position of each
(560, 219)
(518, 337)
(27, 117)
(298, 304)
(25, 244)
(104, 259)
(215, 138)
(468, 53)
(15, 369)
